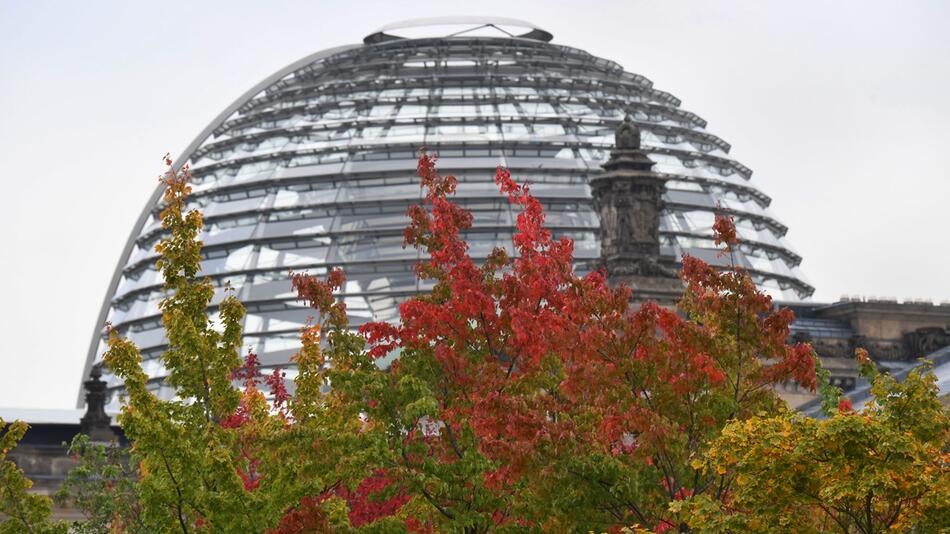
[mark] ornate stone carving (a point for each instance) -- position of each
(646, 266)
(833, 348)
(879, 349)
(927, 340)
(919, 343)
(628, 196)
(825, 347)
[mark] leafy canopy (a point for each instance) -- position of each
(525, 397)
(21, 511)
(883, 468)
(196, 470)
(520, 397)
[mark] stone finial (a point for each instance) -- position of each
(627, 136)
(96, 423)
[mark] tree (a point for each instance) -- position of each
(527, 398)
(196, 470)
(883, 468)
(102, 487)
(216, 457)
(21, 511)
(522, 397)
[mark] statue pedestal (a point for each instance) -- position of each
(664, 291)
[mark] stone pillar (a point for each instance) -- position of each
(96, 423)
(628, 196)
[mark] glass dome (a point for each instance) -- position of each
(315, 167)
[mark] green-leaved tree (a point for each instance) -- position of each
(21, 511)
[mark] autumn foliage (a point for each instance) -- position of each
(516, 378)
(515, 396)
(885, 467)
(21, 511)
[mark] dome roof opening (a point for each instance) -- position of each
(458, 26)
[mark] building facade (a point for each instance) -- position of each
(314, 168)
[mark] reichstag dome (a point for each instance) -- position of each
(314, 167)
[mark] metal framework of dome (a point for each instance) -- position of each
(314, 168)
(462, 26)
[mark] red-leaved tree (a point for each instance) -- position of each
(527, 398)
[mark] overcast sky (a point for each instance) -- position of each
(842, 110)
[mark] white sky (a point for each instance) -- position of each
(840, 108)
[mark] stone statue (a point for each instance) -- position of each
(627, 136)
